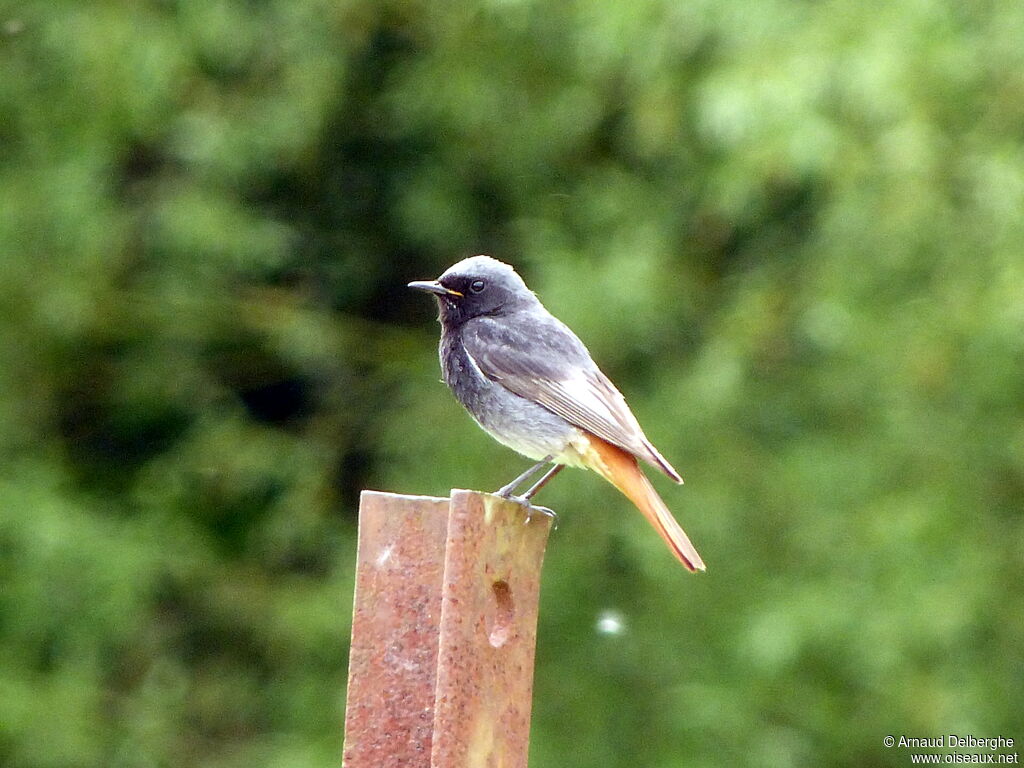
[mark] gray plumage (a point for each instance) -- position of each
(522, 374)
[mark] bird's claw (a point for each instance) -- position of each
(531, 509)
(547, 512)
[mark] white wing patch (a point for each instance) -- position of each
(589, 400)
(603, 403)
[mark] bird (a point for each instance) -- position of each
(531, 384)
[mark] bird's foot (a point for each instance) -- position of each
(531, 509)
(546, 511)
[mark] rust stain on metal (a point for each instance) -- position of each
(443, 632)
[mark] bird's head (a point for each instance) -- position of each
(477, 286)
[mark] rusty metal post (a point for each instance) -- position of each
(443, 631)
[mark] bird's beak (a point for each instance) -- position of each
(433, 286)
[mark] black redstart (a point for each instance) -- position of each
(532, 385)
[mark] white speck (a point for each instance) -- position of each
(610, 623)
(385, 555)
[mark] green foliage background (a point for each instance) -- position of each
(790, 231)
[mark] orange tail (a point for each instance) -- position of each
(620, 468)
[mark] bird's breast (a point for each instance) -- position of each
(521, 424)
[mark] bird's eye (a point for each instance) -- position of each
(477, 285)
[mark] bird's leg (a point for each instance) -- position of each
(536, 487)
(506, 490)
(543, 481)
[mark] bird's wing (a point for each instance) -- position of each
(538, 358)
